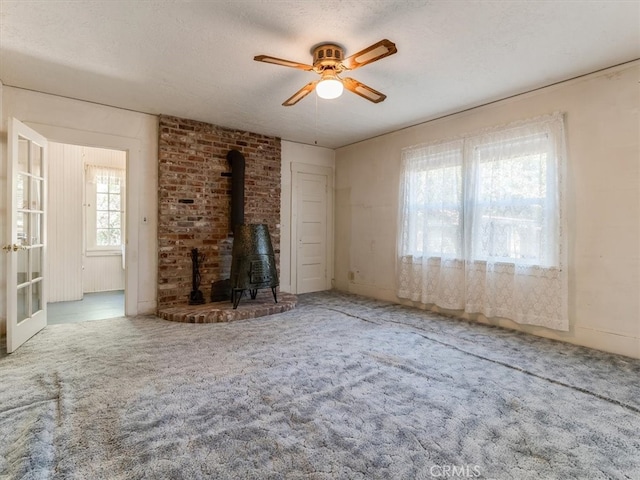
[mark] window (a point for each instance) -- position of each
(506, 201)
(512, 204)
(108, 210)
(105, 213)
(482, 215)
(433, 211)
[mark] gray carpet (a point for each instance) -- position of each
(341, 387)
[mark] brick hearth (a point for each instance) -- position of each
(223, 311)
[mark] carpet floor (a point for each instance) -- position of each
(342, 387)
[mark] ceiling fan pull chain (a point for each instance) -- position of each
(316, 133)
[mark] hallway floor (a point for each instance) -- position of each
(94, 306)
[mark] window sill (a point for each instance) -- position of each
(103, 253)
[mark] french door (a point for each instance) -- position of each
(25, 249)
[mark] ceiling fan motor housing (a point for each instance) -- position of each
(327, 55)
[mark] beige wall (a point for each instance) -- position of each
(603, 210)
(81, 123)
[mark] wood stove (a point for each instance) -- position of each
(253, 263)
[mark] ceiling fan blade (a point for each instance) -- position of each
(379, 50)
(284, 63)
(300, 94)
(363, 90)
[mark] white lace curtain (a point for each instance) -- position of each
(482, 224)
(99, 173)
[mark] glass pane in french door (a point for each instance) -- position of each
(36, 194)
(23, 303)
(23, 266)
(36, 229)
(22, 228)
(23, 155)
(36, 297)
(36, 262)
(22, 191)
(36, 160)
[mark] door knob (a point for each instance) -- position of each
(15, 247)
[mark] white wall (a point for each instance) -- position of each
(295, 153)
(103, 273)
(64, 223)
(81, 123)
(73, 269)
(603, 132)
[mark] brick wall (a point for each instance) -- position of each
(192, 158)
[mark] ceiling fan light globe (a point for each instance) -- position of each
(329, 89)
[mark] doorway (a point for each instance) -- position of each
(86, 232)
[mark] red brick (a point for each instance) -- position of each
(192, 156)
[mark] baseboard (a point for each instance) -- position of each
(608, 341)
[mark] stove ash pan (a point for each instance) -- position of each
(253, 262)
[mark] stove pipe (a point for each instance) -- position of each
(236, 159)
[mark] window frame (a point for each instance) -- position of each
(91, 201)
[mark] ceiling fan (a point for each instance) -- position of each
(329, 62)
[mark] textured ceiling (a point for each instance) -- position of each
(194, 59)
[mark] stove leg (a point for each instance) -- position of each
(253, 293)
(275, 298)
(236, 295)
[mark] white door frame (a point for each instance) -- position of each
(296, 169)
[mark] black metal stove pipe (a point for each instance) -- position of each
(236, 159)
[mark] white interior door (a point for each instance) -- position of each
(312, 229)
(26, 300)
